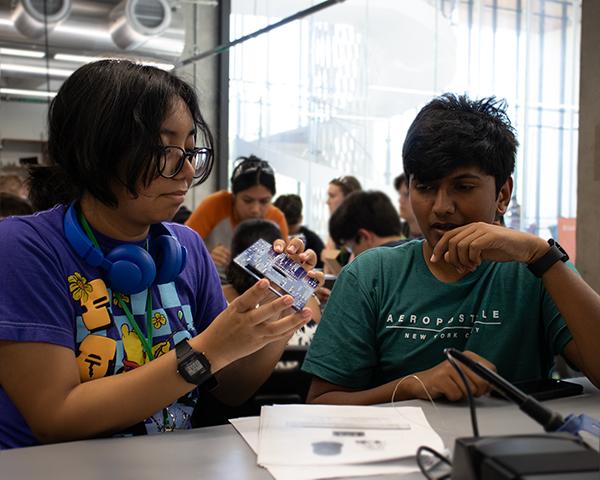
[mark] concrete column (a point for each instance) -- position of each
(202, 33)
(588, 184)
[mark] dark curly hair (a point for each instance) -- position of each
(371, 210)
(454, 131)
(291, 206)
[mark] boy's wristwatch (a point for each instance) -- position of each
(193, 366)
(553, 255)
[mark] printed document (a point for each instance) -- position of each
(341, 434)
(317, 441)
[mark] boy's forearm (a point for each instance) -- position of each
(372, 396)
(579, 304)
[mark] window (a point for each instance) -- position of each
(333, 94)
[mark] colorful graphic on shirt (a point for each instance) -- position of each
(134, 352)
(95, 304)
(161, 348)
(95, 357)
(158, 320)
(124, 299)
(109, 344)
(79, 287)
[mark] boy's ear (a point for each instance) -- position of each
(363, 235)
(504, 196)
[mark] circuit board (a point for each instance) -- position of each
(261, 261)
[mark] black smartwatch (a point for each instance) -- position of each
(193, 366)
(553, 255)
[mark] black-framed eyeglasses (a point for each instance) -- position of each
(171, 160)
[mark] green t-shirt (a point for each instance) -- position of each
(388, 317)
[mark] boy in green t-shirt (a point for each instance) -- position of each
(503, 296)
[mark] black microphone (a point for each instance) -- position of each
(551, 421)
(560, 453)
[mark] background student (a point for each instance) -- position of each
(291, 206)
(365, 220)
(252, 190)
(13, 205)
(13, 183)
(334, 259)
(506, 297)
(339, 188)
(110, 318)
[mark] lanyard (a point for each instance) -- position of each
(146, 341)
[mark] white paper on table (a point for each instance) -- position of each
(247, 427)
(341, 434)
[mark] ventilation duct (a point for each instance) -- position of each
(134, 21)
(152, 29)
(29, 16)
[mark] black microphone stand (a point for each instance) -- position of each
(561, 453)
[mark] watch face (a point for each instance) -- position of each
(194, 367)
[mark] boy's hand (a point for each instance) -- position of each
(465, 247)
(444, 380)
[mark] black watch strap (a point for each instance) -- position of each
(553, 255)
(193, 366)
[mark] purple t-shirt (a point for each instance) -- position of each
(49, 294)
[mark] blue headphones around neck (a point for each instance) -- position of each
(130, 268)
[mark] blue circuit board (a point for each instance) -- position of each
(261, 261)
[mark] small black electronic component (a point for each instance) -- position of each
(261, 261)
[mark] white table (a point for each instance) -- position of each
(220, 453)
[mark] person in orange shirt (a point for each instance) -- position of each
(252, 190)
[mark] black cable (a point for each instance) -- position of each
(550, 420)
(474, 424)
(436, 454)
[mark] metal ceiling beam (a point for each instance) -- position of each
(224, 47)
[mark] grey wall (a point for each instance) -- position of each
(588, 192)
(22, 130)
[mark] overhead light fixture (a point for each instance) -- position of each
(56, 72)
(163, 66)
(15, 52)
(26, 93)
(66, 57)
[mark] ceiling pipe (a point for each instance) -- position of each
(134, 21)
(33, 19)
(87, 30)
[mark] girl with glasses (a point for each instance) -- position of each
(111, 320)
